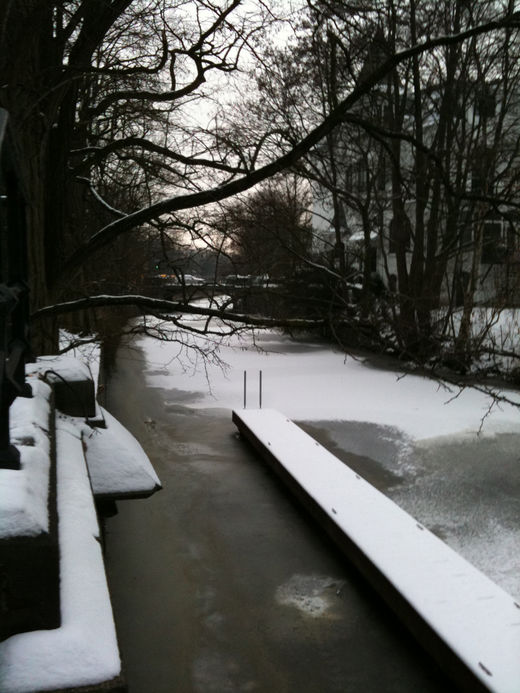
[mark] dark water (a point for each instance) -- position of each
(221, 583)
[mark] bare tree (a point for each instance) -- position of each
(99, 96)
(268, 230)
(95, 95)
(427, 158)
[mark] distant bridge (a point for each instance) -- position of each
(283, 299)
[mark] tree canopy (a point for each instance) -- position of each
(125, 122)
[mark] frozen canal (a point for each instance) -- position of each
(220, 583)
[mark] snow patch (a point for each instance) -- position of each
(67, 367)
(310, 594)
(24, 492)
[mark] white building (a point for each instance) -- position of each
(469, 233)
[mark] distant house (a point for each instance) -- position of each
(469, 234)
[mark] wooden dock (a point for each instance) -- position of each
(464, 620)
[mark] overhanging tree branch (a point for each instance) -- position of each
(116, 212)
(98, 153)
(147, 304)
(107, 234)
(141, 70)
(195, 52)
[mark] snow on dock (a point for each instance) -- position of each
(466, 621)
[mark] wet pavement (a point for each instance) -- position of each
(221, 583)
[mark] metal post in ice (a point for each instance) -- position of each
(260, 389)
(245, 389)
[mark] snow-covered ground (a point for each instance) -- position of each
(313, 382)
(443, 446)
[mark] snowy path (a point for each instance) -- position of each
(463, 608)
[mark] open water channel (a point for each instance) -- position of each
(220, 583)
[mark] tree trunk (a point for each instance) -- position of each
(463, 341)
(27, 35)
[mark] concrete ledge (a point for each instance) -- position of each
(463, 619)
(56, 618)
(82, 654)
(30, 585)
(29, 565)
(118, 466)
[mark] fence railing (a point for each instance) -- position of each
(14, 293)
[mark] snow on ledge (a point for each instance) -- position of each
(54, 368)
(478, 620)
(24, 492)
(117, 463)
(83, 650)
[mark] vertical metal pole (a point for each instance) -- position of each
(260, 388)
(245, 389)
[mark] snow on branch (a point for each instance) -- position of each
(146, 303)
(191, 200)
(101, 200)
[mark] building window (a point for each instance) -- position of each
(398, 234)
(493, 247)
(482, 171)
(485, 103)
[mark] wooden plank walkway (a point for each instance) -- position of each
(466, 622)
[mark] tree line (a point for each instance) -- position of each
(141, 123)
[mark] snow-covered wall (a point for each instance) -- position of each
(92, 456)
